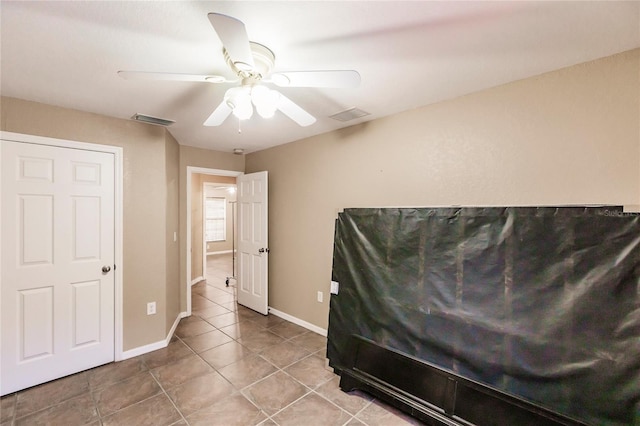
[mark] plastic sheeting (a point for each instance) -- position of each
(542, 303)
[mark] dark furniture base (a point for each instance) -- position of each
(435, 396)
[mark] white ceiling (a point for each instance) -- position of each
(409, 54)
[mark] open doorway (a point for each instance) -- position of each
(219, 232)
(196, 241)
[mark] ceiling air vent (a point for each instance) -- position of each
(153, 120)
(349, 114)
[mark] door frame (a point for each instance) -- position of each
(190, 171)
(118, 216)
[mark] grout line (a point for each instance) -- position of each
(168, 397)
(311, 352)
(12, 420)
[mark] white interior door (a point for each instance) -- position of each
(57, 228)
(253, 251)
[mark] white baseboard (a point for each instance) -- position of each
(298, 321)
(196, 280)
(140, 350)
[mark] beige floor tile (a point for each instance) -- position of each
(235, 410)
(208, 340)
(210, 312)
(155, 411)
(200, 392)
(275, 392)
(315, 410)
(200, 302)
(173, 352)
(225, 354)
(247, 371)
(80, 410)
(232, 306)
(180, 371)
(51, 393)
(284, 354)
(223, 298)
(193, 327)
(353, 402)
(268, 321)
(125, 393)
(311, 341)
(115, 372)
(380, 414)
(287, 329)
(310, 371)
(246, 313)
(7, 407)
(241, 329)
(260, 340)
(223, 320)
(211, 292)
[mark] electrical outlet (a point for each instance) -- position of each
(151, 308)
(320, 296)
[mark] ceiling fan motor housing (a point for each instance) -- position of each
(263, 58)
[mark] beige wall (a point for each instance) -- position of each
(195, 157)
(196, 227)
(173, 225)
(566, 137)
(150, 191)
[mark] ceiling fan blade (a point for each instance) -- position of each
(218, 116)
(295, 112)
(143, 75)
(234, 38)
(338, 79)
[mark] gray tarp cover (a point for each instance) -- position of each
(543, 303)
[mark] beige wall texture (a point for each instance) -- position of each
(150, 205)
(172, 153)
(566, 137)
(202, 158)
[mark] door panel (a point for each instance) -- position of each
(57, 226)
(35, 223)
(253, 259)
(35, 339)
(85, 309)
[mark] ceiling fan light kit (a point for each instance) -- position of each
(252, 63)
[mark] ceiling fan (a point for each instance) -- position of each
(252, 64)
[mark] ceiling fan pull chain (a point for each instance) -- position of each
(239, 126)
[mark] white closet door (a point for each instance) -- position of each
(57, 294)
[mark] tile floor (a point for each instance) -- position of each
(226, 365)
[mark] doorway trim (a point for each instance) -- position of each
(190, 171)
(118, 216)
